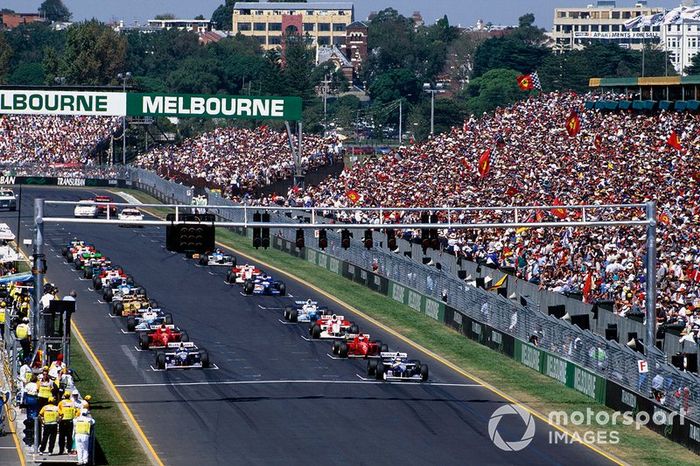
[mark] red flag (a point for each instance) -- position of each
(598, 142)
(573, 124)
(587, 287)
(485, 163)
(674, 141)
(353, 196)
(664, 218)
(465, 163)
(558, 211)
(539, 215)
(511, 191)
(525, 82)
(382, 177)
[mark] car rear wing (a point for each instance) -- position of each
(185, 344)
(328, 317)
(301, 303)
(156, 327)
(392, 355)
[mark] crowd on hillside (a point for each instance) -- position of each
(618, 157)
(30, 140)
(237, 160)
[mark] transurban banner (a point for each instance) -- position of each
(42, 102)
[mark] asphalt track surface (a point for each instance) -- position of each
(274, 398)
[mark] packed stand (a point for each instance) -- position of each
(618, 157)
(236, 160)
(51, 141)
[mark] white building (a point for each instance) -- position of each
(681, 36)
(196, 25)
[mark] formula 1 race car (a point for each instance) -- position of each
(239, 274)
(95, 266)
(103, 204)
(397, 367)
(147, 318)
(332, 327)
(110, 277)
(359, 346)
(158, 336)
(85, 258)
(305, 311)
(218, 257)
(265, 285)
(184, 355)
(77, 250)
(116, 291)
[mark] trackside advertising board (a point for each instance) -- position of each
(41, 102)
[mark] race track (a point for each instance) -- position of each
(274, 398)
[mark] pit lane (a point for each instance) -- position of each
(273, 397)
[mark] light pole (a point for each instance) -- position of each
(124, 78)
(432, 90)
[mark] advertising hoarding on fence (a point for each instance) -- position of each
(46, 102)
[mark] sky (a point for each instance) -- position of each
(459, 12)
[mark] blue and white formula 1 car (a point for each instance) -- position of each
(218, 257)
(144, 319)
(396, 367)
(305, 311)
(264, 285)
(183, 355)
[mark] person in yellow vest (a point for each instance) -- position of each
(81, 426)
(85, 404)
(66, 412)
(22, 333)
(49, 422)
(3, 308)
(45, 387)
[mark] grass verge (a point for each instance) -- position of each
(538, 392)
(116, 444)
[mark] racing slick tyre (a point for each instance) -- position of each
(343, 350)
(78, 264)
(160, 360)
(203, 260)
(87, 273)
(184, 336)
(248, 287)
(153, 303)
(372, 367)
(130, 324)
(286, 312)
(168, 318)
(424, 372)
(204, 357)
(143, 341)
(130, 280)
(69, 258)
(336, 346)
(107, 295)
(354, 329)
(118, 308)
(96, 283)
(293, 315)
(283, 289)
(230, 278)
(64, 252)
(379, 372)
(315, 331)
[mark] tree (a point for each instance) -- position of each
(5, 55)
(199, 17)
(496, 88)
(27, 74)
(694, 68)
(298, 65)
(166, 16)
(55, 11)
(461, 54)
(94, 54)
(223, 16)
(394, 85)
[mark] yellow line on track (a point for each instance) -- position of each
(15, 437)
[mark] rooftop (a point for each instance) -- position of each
(293, 6)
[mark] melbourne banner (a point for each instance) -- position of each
(40, 102)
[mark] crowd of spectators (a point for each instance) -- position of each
(618, 157)
(236, 160)
(31, 140)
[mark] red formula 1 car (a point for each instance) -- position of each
(359, 346)
(104, 203)
(332, 327)
(158, 336)
(241, 273)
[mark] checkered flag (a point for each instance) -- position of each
(536, 81)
